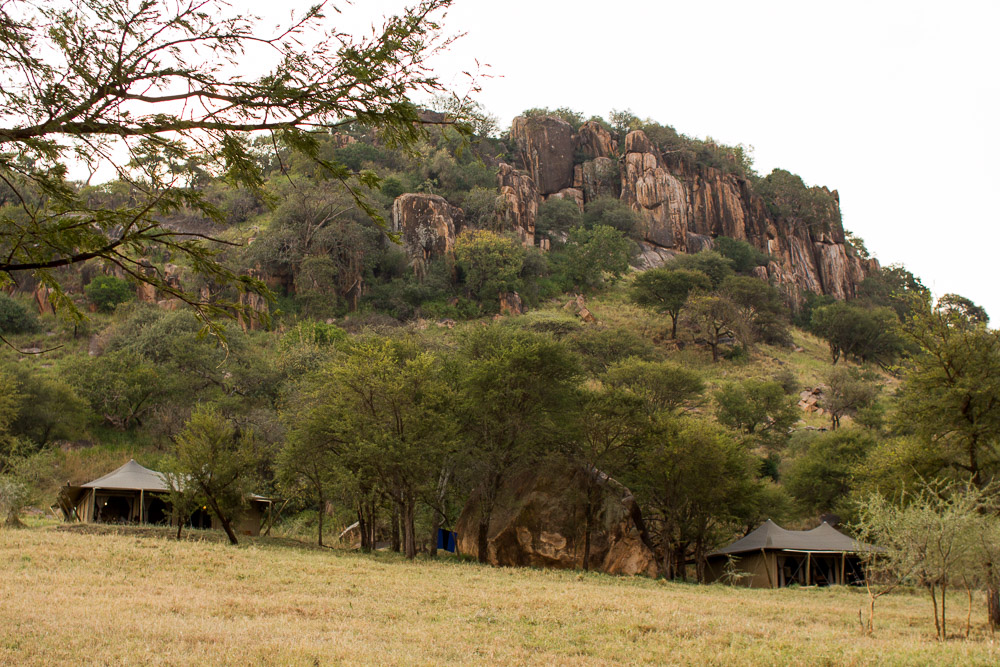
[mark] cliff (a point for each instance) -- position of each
(684, 205)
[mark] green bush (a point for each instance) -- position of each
(107, 292)
(15, 318)
(745, 257)
(612, 213)
(557, 216)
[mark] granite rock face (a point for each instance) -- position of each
(540, 522)
(427, 226)
(520, 199)
(545, 147)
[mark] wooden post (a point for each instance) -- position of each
(808, 566)
(843, 567)
(140, 505)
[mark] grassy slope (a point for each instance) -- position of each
(139, 598)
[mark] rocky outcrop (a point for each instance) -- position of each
(253, 307)
(540, 522)
(572, 194)
(427, 226)
(656, 194)
(519, 202)
(593, 141)
(42, 296)
(510, 304)
(600, 177)
(545, 149)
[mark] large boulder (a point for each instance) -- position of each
(545, 147)
(600, 177)
(427, 226)
(593, 141)
(656, 194)
(519, 198)
(540, 521)
(572, 194)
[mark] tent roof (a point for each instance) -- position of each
(772, 536)
(130, 476)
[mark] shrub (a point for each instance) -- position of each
(15, 318)
(107, 292)
(612, 213)
(745, 257)
(557, 216)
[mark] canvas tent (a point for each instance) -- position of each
(130, 494)
(135, 494)
(772, 557)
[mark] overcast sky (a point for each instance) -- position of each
(894, 104)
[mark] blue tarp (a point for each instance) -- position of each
(446, 540)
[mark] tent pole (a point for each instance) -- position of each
(140, 505)
(767, 568)
(843, 566)
(808, 566)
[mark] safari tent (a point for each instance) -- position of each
(772, 557)
(135, 494)
(130, 494)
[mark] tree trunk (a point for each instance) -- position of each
(409, 528)
(396, 511)
(937, 619)
(226, 524)
(322, 511)
(482, 538)
(673, 326)
(363, 528)
(588, 525)
(993, 606)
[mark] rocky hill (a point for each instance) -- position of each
(683, 205)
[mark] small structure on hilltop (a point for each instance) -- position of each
(772, 557)
(136, 494)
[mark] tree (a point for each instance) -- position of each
(611, 212)
(822, 467)
(961, 308)
(218, 460)
(894, 287)
(596, 255)
(717, 318)
(699, 485)
(15, 318)
(853, 330)
(516, 393)
(106, 292)
(155, 82)
(933, 540)
(761, 306)
(848, 391)
(663, 386)
(491, 264)
(709, 262)
(666, 290)
(556, 216)
(759, 409)
(745, 257)
(949, 400)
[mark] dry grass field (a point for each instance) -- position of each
(79, 596)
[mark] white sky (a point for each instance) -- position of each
(894, 104)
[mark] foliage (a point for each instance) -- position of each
(557, 216)
(600, 347)
(956, 306)
(666, 290)
(611, 212)
(716, 318)
(848, 391)
(220, 461)
(96, 80)
(762, 308)
(787, 196)
(663, 386)
(108, 292)
(822, 468)
(894, 287)
(745, 257)
(596, 255)
(571, 116)
(15, 318)
(853, 330)
(709, 262)
(759, 409)
(50, 408)
(491, 265)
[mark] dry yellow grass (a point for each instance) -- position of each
(130, 598)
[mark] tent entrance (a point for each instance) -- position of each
(113, 508)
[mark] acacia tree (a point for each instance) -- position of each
(217, 460)
(516, 390)
(666, 290)
(140, 87)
